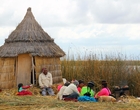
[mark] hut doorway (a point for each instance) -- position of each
(33, 72)
(24, 66)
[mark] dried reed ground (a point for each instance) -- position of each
(9, 100)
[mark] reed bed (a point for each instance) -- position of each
(117, 70)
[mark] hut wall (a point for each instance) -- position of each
(52, 64)
(24, 66)
(7, 73)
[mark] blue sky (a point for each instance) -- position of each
(105, 26)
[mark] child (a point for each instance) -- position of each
(22, 90)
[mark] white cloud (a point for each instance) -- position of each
(4, 32)
(133, 32)
(106, 25)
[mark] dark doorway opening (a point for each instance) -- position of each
(33, 73)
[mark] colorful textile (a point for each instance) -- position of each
(86, 98)
(70, 99)
(24, 92)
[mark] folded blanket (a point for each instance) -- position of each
(86, 98)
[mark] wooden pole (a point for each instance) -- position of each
(33, 70)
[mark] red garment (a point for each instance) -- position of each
(24, 92)
(104, 92)
(25, 87)
(70, 99)
(79, 89)
(59, 87)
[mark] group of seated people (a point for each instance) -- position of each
(74, 90)
(78, 91)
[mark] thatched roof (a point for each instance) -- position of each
(29, 37)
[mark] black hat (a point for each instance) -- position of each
(67, 84)
(81, 81)
(90, 84)
(104, 82)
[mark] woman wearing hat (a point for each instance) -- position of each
(87, 93)
(81, 84)
(105, 91)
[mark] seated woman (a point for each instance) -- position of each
(81, 84)
(60, 93)
(22, 90)
(71, 92)
(87, 93)
(105, 91)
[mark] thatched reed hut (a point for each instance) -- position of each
(25, 52)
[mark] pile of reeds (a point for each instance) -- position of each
(10, 101)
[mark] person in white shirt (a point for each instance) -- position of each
(45, 82)
(71, 91)
(60, 93)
